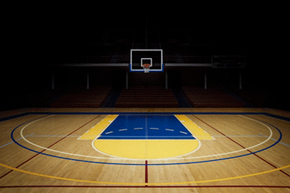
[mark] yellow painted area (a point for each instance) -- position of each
(193, 128)
(146, 149)
(98, 128)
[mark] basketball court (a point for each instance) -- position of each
(151, 107)
(151, 150)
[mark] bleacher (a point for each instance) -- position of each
(255, 96)
(214, 97)
(82, 98)
(146, 96)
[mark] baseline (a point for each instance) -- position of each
(144, 184)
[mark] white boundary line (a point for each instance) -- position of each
(48, 149)
(177, 158)
(199, 142)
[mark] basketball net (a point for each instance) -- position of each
(146, 68)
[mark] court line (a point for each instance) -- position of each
(175, 187)
(11, 142)
(242, 146)
(243, 136)
(193, 127)
(152, 184)
(218, 136)
(142, 113)
(17, 142)
(49, 149)
(146, 172)
(179, 157)
(131, 137)
(38, 153)
(276, 140)
(32, 135)
(168, 183)
(199, 144)
(111, 157)
(175, 158)
(146, 129)
(95, 130)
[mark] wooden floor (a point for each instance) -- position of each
(41, 151)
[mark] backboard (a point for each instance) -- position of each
(146, 57)
(228, 61)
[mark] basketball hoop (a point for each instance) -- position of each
(146, 67)
(146, 60)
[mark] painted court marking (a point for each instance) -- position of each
(161, 184)
(193, 128)
(167, 183)
(135, 149)
(144, 184)
(126, 142)
(11, 142)
(175, 158)
(96, 131)
(161, 164)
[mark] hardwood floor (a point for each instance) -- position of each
(43, 150)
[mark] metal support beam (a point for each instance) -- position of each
(166, 79)
(52, 81)
(205, 80)
(88, 81)
(127, 80)
(240, 80)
